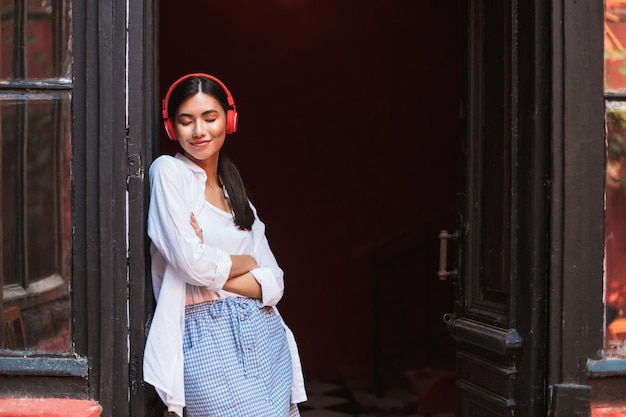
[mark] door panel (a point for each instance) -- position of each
(499, 321)
(489, 173)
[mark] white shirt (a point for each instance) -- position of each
(179, 259)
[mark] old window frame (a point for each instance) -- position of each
(25, 90)
(64, 373)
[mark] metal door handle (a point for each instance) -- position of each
(443, 272)
(448, 317)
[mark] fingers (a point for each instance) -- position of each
(196, 227)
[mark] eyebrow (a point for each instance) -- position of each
(203, 114)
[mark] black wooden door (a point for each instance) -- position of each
(500, 320)
(141, 139)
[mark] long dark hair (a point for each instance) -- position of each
(227, 172)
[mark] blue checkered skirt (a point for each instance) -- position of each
(237, 361)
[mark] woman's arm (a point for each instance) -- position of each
(240, 280)
(174, 193)
(241, 265)
(269, 275)
(245, 285)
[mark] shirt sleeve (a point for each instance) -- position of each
(171, 232)
(269, 275)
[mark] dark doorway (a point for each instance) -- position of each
(348, 142)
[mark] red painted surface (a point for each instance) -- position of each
(48, 407)
(609, 410)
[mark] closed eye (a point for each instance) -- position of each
(210, 114)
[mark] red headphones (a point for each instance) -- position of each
(231, 113)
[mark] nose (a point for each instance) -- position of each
(198, 130)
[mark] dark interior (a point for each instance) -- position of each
(348, 142)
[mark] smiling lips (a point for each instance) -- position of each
(201, 142)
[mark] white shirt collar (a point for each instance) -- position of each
(190, 164)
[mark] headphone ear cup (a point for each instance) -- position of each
(231, 121)
(167, 122)
(169, 129)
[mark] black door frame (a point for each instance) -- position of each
(142, 143)
(112, 298)
(99, 210)
(577, 207)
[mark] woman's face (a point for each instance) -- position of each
(201, 127)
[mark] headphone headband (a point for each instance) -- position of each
(231, 113)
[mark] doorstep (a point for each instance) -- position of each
(48, 407)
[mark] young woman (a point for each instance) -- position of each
(217, 345)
